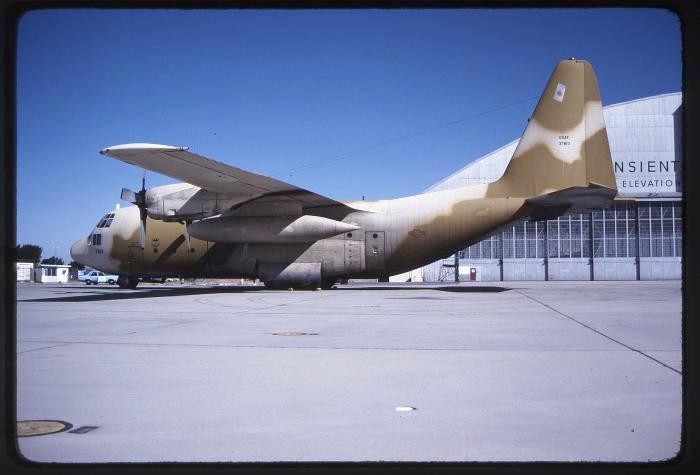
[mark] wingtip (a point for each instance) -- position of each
(140, 146)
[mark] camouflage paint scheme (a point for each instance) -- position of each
(562, 163)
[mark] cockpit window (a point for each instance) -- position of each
(97, 239)
(106, 221)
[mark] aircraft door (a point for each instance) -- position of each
(374, 250)
(134, 260)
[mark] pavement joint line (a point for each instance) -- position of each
(599, 332)
(154, 328)
(45, 347)
(290, 347)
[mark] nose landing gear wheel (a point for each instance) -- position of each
(127, 282)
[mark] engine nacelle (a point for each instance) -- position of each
(268, 229)
(185, 202)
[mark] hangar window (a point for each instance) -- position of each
(611, 235)
(524, 240)
(660, 230)
(615, 232)
(489, 248)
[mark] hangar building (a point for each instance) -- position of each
(640, 239)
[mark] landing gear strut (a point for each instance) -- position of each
(125, 282)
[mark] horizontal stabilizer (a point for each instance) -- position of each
(570, 200)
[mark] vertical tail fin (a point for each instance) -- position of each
(565, 144)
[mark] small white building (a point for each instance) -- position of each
(24, 271)
(415, 275)
(51, 274)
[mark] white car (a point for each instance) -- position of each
(97, 277)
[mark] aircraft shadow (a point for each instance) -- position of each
(121, 294)
(475, 289)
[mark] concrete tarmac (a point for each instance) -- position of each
(502, 371)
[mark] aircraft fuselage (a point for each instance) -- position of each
(393, 236)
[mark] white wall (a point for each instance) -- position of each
(40, 275)
(24, 271)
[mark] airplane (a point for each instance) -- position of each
(223, 221)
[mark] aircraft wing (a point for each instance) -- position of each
(178, 163)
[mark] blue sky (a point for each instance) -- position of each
(273, 90)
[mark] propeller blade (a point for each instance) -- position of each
(139, 199)
(143, 236)
(144, 215)
(187, 237)
(128, 195)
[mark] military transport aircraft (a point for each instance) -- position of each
(228, 222)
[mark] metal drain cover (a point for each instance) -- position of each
(293, 333)
(32, 428)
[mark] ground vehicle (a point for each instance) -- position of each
(97, 277)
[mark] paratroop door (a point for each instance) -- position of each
(374, 250)
(134, 259)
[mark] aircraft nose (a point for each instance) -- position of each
(78, 251)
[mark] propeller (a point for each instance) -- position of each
(139, 199)
(187, 236)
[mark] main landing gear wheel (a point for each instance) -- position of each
(327, 284)
(127, 282)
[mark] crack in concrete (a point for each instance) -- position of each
(294, 347)
(144, 330)
(43, 347)
(599, 332)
